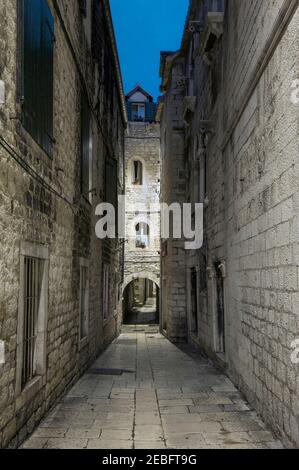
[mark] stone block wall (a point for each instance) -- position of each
(250, 125)
(31, 213)
(173, 191)
(142, 143)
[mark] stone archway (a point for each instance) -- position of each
(141, 294)
(141, 275)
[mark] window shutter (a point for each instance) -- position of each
(31, 59)
(129, 111)
(46, 78)
(38, 50)
(150, 112)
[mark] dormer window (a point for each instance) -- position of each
(137, 173)
(138, 112)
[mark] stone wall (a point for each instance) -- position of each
(249, 124)
(64, 226)
(142, 143)
(173, 191)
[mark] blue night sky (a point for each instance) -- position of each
(143, 28)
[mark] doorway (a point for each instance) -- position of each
(220, 311)
(141, 303)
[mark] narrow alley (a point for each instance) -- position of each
(144, 392)
(149, 221)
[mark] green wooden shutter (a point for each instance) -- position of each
(150, 112)
(129, 111)
(46, 77)
(31, 60)
(38, 50)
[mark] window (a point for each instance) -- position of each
(33, 271)
(142, 235)
(137, 173)
(106, 269)
(36, 80)
(86, 147)
(32, 318)
(138, 112)
(84, 299)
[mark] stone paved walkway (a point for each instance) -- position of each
(165, 398)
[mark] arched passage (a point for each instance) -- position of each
(141, 300)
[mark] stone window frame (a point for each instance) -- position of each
(129, 174)
(212, 277)
(141, 173)
(28, 249)
(84, 263)
(139, 226)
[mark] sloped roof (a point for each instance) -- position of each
(141, 90)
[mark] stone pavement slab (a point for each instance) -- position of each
(164, 397)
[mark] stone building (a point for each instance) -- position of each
(62, 153)
(142, 182)
(229, 132)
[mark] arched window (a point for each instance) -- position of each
(137, 173)
(142, 235)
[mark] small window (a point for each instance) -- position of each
(32, 317)
(106, 270)
(142, 235)
(137, 173)
(84, 301)
(138, 112)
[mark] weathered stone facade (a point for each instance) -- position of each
(44, 213)
(173, 190)
(234, 79)
(142, 145)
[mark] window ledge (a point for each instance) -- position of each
(83, 342)
(30, 390)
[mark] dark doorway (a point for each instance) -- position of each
(220, 310)
(141, 303)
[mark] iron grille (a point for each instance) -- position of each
(33, 268)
